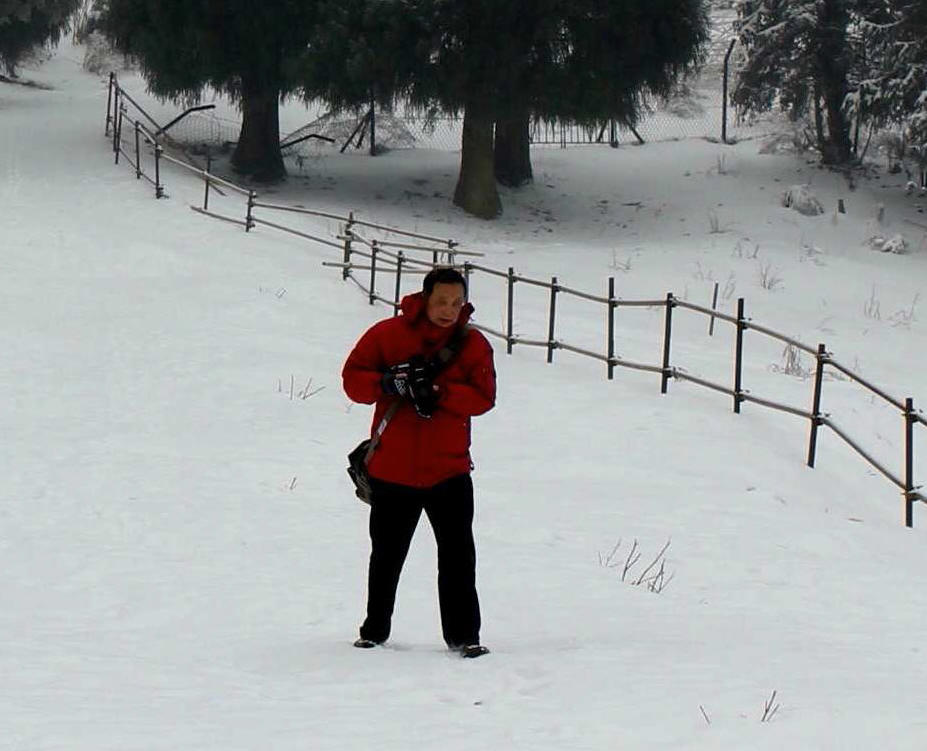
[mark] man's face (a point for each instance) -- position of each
(444, 304)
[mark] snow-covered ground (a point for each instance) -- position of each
(183, 559)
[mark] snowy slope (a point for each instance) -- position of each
(183, 558)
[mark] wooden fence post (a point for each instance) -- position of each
(739, 356)
(612, 304)
(551, 345)
(909, 420)
(816, 404)
(510, 310)
(667, 334)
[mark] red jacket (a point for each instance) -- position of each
(414, 450)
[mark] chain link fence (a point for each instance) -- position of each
(695, 110)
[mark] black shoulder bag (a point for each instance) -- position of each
(360, 456)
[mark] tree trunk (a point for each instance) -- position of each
(833, 75)
(476, 185)
(513, 151)
(839, 148)
(258, 151)
(818, 119)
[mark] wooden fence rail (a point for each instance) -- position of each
(382, 259)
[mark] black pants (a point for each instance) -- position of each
(394, 514)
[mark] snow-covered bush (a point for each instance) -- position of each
(100, 57)
(897, 244)
(789, 142)
(800, 198)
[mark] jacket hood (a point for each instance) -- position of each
(413, 310)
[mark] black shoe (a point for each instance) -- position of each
(363, 643)
(471, 651)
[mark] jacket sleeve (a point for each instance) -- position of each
(364, 368)
(476, 394)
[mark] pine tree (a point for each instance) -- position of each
(499, 62)
(25, 24)
(799, 57)
(246, 50)
(892, 88)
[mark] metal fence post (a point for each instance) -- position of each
(109, 101)
(739, 356)
(714, 306)
(346, 271)
(117, 135)
(727, 59)
(138, 159)
(159, 189)
(510, 310)
(206, 189)
(816, 404)
(373, 130)
(115, 115)
(399, 259)
(667, 334)
(249, 219)
(551, 344)
(612, 305)
(373, 271)
(909, 420)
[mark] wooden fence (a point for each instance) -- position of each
(381, 256)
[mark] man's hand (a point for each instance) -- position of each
(395, 381)
(422, 389)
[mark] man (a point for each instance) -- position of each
(441, 374)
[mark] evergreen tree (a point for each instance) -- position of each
(499, 62)
(892, 89)
(799, 56)
(24, 24)
(246, 50)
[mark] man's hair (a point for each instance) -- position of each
(443, 275)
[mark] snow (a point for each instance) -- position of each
(183, 558)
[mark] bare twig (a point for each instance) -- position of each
(633, 557)
(653, 563)
(769, 279)
(770, 708)
(607, 561)
(704, 714)
(871, 306)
